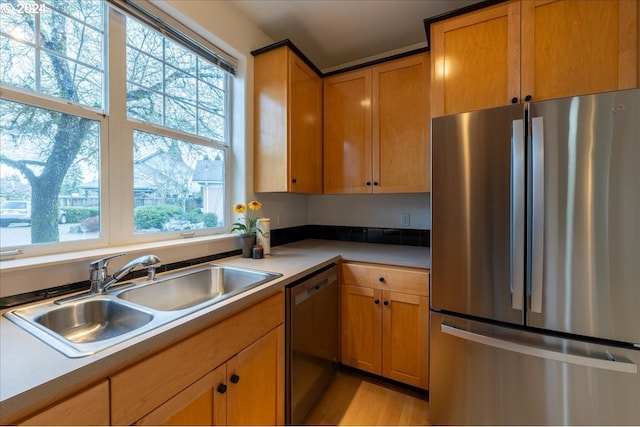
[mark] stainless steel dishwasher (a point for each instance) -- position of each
(311, 340)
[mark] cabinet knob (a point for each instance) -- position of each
(368, 183)
(528, 98)
(234, 379)
(381, 279)
(293, 180)
(375, 182)
(386, 303)
(222, 388)
(377, 301)
(514, 100)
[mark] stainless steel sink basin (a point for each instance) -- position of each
(93, 320)
(85, 324)
(202, 285)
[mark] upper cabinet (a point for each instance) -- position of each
(287, 124)
(533, 50)
(376, 128)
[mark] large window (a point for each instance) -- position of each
(65, 157)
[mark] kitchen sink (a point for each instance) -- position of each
(93, 320)
(203, 285)
(82, 325)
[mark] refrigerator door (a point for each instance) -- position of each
(584, 216)
(478, 213)
(491, 375)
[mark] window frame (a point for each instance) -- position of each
(116, 153)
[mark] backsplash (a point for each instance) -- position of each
(282, 236)
(390, 236)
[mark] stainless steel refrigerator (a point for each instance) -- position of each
(535, 292)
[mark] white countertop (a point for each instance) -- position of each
(33, 375)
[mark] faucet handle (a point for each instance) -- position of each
(101, 264)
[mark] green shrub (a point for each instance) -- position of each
(153, 217)
(210, 219)
(194, 215)
(76, 214)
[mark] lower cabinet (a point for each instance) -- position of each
(385, 321)
(88, 407)
(231, 373)
(243, 391)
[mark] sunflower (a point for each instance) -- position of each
(255, 205)
(246, 225)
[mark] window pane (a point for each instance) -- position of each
(17, 25)
(180, 115)
(144, 39)
(18, 62)
(192, 89)
(49, 176)
(177, 185)
(144, 70)
(144, 104)
(211, 125)
(180, 57)
(70, 45)
(85, 82)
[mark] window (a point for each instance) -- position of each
(57, 130)
(50, 140)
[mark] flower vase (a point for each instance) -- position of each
(247, 243)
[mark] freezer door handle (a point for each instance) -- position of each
(517, 216)
(575, 359)
(537, 222)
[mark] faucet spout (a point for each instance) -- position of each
(101, 282)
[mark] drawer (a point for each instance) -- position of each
(386, 277)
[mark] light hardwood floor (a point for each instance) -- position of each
(355, 399)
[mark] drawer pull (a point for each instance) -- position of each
(381, 279)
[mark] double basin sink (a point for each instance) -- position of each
(83, 325)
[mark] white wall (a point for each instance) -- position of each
(371, 210)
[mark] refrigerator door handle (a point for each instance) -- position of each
(517, 216)
(537, 223)
(575, 359)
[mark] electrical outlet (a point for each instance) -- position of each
(405, 219)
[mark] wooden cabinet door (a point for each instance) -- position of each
(476, 60)
(305, 127)
(88, 407)
(578, 47)
(401, 126)
(287, 124)
(361, 328)
(405, 338)
(202, 403)
(270, 125)
(347, 132)
(256, 382)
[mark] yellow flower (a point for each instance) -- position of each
(246, 225)
(255, 205)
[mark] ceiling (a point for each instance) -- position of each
(337, 33)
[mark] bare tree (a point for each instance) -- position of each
(46, 174)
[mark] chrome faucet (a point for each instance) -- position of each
(100, 279)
